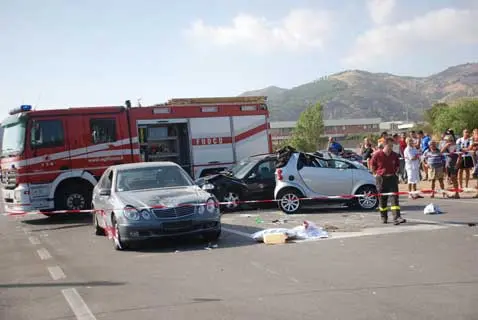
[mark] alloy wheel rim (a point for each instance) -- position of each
(368, 200)
(290, 202)
(232, 199)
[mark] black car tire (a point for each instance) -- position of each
(366, 203)
(292, 197)
(118, 244)
(211, 236)
(99, 231)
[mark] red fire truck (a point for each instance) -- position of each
(51, 159)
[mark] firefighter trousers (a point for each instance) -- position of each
(387, 184)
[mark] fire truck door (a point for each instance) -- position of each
(49, 145)
(211, 142)
(104, 144)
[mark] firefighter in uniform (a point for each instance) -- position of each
(385, 165)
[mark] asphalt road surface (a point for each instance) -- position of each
(425, 269)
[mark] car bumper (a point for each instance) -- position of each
(167, 229)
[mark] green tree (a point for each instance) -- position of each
(432, 113)
(309, 128)
(460, 115)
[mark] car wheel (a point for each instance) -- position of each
(211, 236)
(118, 244)
(289, 201)
(99, 231)
(233, 198)
(368, 199)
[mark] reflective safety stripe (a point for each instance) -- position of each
(383, 209)
(395, 207)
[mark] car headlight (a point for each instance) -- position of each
(131, 213)
(211, 205)
(145, 214)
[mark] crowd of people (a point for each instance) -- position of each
(426, 158)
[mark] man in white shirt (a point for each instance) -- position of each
(464, 145)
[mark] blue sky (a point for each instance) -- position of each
(88, 53)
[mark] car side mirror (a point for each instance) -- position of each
(105, 192)
(252, 176)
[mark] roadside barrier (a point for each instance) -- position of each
(345, 197)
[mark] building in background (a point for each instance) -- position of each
(282, 130)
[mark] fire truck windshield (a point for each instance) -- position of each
(13, 137)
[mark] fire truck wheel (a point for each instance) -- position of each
(73, 197)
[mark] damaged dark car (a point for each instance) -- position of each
(252, 178)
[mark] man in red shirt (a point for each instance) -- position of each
(385, 165)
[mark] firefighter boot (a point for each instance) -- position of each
(384, 214)
(397, 218)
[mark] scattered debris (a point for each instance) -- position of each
(432, 209)
(308, 230)
(330, 228)
(279, 221)
(259, 220)
(211, 246)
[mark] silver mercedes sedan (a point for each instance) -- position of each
(141, 201)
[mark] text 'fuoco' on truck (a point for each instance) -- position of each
(51, 159)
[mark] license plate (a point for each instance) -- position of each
(177, 225)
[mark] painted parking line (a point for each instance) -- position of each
(34, 240)
(366, 232)
(56, 273)
(44, 254)
(239, 233)
(77, 304)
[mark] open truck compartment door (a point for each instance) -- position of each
(165, 140)
(212, 143)
(250, 135)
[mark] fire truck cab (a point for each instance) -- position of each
(52, 159)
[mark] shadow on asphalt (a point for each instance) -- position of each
(77, 219)
(196, 243)
(62, 284)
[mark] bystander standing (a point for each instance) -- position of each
(435, 163)
(452, 161)
(466, 163)
(412, 165)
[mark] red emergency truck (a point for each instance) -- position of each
(51, 159)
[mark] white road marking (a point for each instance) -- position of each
(239, 233)
(366, 232)
(26, 230)
(441, 223)
(259, 266)
(44, 254)
(56, 273)
(377, 231)
(34, 240)
(77, 304)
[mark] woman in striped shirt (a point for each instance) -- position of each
(435, 162)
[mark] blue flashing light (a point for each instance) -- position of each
(26, 107)
(23, 108)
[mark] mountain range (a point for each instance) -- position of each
(361, 94)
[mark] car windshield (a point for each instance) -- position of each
(13, 138)
(245, 168)
(152, 178)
